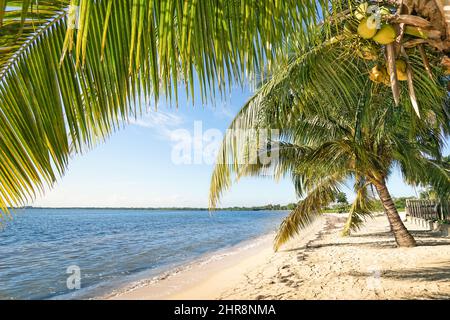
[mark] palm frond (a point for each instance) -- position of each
(23, 21)
(214, 41)
(423, 171)
(64, 87)
(360, 209)
(307, 209)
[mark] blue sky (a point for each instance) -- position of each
(135, 167)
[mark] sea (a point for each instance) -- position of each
(86, 253)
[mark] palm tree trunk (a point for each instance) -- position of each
(390, 225)
(401, 234)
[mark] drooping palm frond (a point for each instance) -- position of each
(215, 41)
(307, 209)
(49, 110)
(272, 107)
(21, 22)
(422, 171)
(72, 71)
(360, 209)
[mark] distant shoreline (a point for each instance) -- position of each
(264, 208)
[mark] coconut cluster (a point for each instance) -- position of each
(379, 33)
(368, 26)
(380, 74)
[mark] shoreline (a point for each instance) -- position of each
(181, 277)
(205, 277)
(317, 264)
(166, 275)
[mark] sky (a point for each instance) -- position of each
(155, 162)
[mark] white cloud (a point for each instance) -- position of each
(158, 119)
(163, 123)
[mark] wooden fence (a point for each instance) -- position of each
(428, 209)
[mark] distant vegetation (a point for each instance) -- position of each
(274, 207)
(341, 206)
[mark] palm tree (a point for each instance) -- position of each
(337, 126)
(73, 71)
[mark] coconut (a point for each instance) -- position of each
(385, 35)
(367, 29)
(378, 74)
(361, 11)
(400, 65)
(416, 32)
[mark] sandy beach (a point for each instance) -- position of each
(318, 264)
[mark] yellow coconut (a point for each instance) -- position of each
(385, 35)
(400, 65)
(402, 76)
(367, 28)
(378, 74)
(361, 11)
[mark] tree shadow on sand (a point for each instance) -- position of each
(439, 273)
(387, 234)
(423, 239)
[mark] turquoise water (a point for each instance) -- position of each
(111, 246)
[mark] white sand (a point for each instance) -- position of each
(318, 264)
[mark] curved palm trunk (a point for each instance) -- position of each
(401, 234)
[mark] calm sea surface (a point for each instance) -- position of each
(111, 246)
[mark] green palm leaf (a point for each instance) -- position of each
(307, 209)
(360, 209)
(64, 89)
